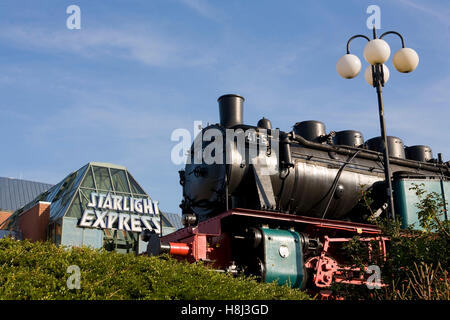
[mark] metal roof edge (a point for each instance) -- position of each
(107, 164)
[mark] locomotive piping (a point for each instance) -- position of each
(335, 182)
(369, 154)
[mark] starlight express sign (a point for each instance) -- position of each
(106, 211)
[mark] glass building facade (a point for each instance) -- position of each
(69, 199)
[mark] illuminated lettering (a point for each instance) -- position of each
(155, 207)
(108, 213)
(87, 218)
(107, 204)
(93, 200)
(135, 223)
(117, 202)
(157, 223)
(148, 206)
(146, 220)
(100, 223)
(125, 204)
(101, 197)
(138, 205)
(123, 221)
(112, 217)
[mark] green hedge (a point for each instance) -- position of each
(39, 271)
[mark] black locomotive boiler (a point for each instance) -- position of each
(312, 172)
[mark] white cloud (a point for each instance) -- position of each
(202, 7)
(440, 14)
(140, 45)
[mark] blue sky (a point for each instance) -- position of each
(116, 89)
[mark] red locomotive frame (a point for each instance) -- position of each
(210, 241)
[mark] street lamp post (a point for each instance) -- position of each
(377, 52)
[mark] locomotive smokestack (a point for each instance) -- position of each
(231, 109)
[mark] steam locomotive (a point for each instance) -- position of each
(278, 205)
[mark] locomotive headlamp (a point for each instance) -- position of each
(405, 60)
(348, 66)
(377, 52)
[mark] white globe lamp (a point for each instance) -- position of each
(377, 51)
(348, 66)
(406, 60)
(368, 74)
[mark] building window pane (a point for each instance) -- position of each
(75, 208)
(58, 232)
(120, 180)
(51, 232)
(88, 181)
(66, 187)
(102, 178)
(135, 188)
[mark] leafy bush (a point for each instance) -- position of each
(39, 271)
(417, 263)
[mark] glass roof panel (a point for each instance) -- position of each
(119, 178)
(102, 178)
(66, 187)
(135, 188)
(165, 221)
(88, 181)
(75, 208)
(63, 198)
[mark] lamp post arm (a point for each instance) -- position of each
(354, 37)
(394, 32)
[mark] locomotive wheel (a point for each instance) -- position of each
(306, 278)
